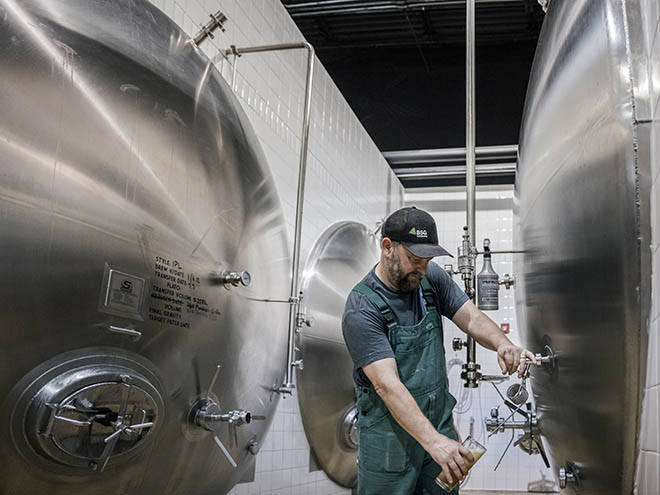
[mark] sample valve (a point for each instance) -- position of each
(210, 412)
(207, 414)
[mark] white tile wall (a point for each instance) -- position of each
(648, 466)
(347, 177)
(494, 220)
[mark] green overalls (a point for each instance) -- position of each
(390, 461)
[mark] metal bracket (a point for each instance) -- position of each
(135, 335)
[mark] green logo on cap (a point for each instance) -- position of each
(413, 231)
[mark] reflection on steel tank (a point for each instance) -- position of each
(142, 243)
(582, 200)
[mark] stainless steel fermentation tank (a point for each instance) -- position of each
(133, 197)
(340, 258)
(582, 200)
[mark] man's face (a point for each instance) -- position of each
(404, 269)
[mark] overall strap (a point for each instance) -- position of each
(427, 292)
(379, 302)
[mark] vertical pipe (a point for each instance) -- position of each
(470, 119)
(294, 296)
(233, 72)
(470, 160)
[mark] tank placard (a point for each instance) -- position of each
(173, 295)
(124, 292)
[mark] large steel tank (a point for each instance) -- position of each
(339, 259)
(582, 201)
(133, 196)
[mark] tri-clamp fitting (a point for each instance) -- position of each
(471, 374)
(217, 21)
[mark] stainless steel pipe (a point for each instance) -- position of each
(472, 373)
(294, 298)
(455, 172)
(470, 118)
(442, 155)
(358, 7)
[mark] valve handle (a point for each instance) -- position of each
(224, 451)
(215, 377)
(111, 441)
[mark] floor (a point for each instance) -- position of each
(480, 492)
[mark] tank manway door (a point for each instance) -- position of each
(87, 415)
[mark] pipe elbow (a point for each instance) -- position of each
(308, 46)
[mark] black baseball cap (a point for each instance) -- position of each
(416, 230)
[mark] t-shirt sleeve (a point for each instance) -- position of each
(451, 296)
(364, 331)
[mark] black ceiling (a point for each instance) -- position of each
(400, 64)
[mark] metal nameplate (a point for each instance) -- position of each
(124, 293)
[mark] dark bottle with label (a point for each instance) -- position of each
(488, 297)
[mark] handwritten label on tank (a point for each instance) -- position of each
(175, 288)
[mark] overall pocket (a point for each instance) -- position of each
(384, 449)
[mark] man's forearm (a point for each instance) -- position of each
(487, 333)
(407, 413)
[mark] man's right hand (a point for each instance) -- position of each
(451, 456)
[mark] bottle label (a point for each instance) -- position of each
(488, 293)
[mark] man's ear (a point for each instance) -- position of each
(386, 245)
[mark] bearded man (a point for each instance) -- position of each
(393, 330)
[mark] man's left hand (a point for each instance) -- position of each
(512, 358)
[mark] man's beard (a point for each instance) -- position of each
(404, 282)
